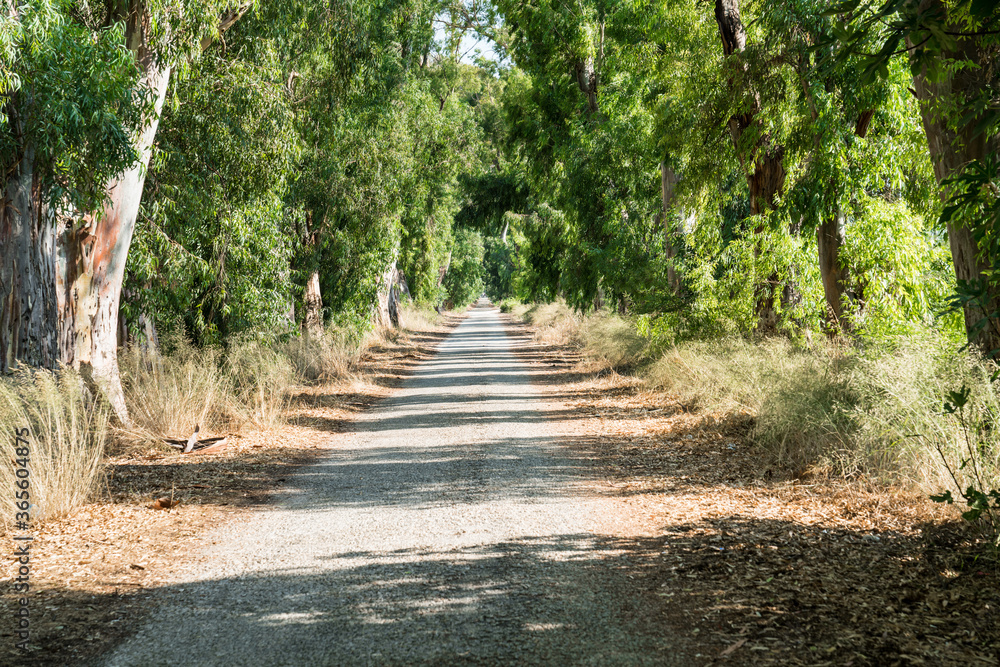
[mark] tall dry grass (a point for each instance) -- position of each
(169, 395)
(554, 323)
(414, 318)
(68, 432)
(828, 408)
(247, 384)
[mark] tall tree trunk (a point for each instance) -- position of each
(313, 323)
(586, 80)
(91, 278)
(951, 149)
(668, 182)
(60, 282)
(829, 239)
(763, 164)
(28, 271)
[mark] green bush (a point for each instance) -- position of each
(464, 280)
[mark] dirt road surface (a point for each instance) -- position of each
(457, 526)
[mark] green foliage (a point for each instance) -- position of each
(211, 247)
(71, 97)
(464, 279)
(975, 420)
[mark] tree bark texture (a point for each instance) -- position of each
(951, 150)
(313, 323)
(668, 183)
(28, 270)
(586, 79)
(763, 163)
(95, 268)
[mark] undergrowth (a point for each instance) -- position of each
(816, 408)
(66, 436)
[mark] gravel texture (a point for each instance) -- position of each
(455, 527)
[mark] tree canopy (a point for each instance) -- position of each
(816, 166)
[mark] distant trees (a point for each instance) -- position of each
(731, 166)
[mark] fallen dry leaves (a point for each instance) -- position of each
(90, 571)
(763, 569)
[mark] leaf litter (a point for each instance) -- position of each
(759, 567)
(92, 571)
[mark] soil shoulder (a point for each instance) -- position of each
(92, 572)
(765, 570)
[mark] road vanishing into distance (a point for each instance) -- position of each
(454, 527)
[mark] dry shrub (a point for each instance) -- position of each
(554, 323)
(513, 306)
(68, 434)
(324, 357)
(613, 340)
(259, 377)
(725, 375)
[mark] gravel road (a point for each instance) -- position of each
(454, 527)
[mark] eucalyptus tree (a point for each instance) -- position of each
(444, 142)
(953, 47)
(82, 91)
(212, 247)
(346, 68)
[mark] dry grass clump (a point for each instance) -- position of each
(414, 318)
(323, 357)
(613, 340)
(729, 374)
(831, 408)
(259, 377)
(554, 323)
(606, 337)
(67, 435)
(168, 395)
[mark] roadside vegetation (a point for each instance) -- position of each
(784, 215)
(815, 408)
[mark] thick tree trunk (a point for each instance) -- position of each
(61, 281)
(586, 79)
(829, 239)
(28, 270)
(91, 278)
(762, 163)
(313, 323)
(951, 150)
